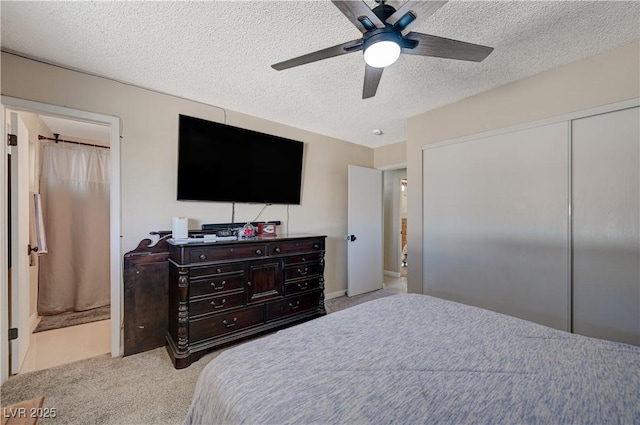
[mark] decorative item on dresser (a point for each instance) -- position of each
(224, 291)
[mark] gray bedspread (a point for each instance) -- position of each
(415, 359)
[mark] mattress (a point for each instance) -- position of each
(415, 359)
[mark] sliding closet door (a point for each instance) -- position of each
(496, 223)
(606, 230)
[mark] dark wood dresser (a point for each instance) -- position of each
(224, 291)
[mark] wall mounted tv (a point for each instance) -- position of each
(222, 163)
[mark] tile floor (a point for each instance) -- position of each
(59, 346)
(395, 284)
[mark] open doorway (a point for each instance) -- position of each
(50, 125)
(69, 192)
(395, 229)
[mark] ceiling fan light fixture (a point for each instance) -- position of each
(382, 53)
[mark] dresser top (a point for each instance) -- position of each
(214, 242)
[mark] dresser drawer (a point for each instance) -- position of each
(216, 285)
(292, 305)
(217, 269)
(300, 285)
(291, 247)
(226, 252)
(304, 258)
(224, 323)
(301, 270)
(216, 304)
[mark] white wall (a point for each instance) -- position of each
(149, 158)
(607, 78)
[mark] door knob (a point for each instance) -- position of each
(351, 238)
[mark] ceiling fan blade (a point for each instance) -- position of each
(359, 14)
(340, 49)
(371, 80)
(431, 45)
(413, 12)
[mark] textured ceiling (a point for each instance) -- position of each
(220, 52)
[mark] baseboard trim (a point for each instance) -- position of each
(333, 295)
(390, 273)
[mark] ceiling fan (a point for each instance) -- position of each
(385, 35)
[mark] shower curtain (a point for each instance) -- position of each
(74, 275)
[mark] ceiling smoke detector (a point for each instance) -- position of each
(377, 132)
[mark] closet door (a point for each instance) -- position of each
(606, 230)
(496, 228)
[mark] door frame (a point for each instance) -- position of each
(4, 263)
(20, 281)
(115, 267)
(397, 207)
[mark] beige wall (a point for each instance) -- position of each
(390, 156)
(149, 158)
(607, 78)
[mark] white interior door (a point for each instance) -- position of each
(19, 270)
(365, 255)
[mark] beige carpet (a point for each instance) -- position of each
(341, 303)
(140, 389)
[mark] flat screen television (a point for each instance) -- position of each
(222, 163)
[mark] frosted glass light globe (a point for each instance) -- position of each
(382, 54)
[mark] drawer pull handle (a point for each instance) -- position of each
(217, 288)
(229, 325)
(258, 252)
(203, 257)
(218, 270)
(277, 249)
(316, 246)
(304, 259)
(213, 303)
(249, 284)
(294, 306)
(303, 287)
(303, 272)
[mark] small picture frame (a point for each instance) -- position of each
(266, 229)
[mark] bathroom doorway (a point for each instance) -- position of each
(108, 337)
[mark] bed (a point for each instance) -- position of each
(415, 359)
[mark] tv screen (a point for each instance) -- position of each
(222, 163)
